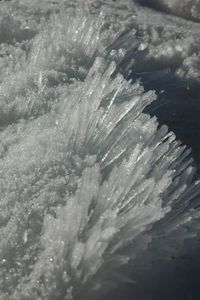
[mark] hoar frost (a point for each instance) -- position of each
(85, 176)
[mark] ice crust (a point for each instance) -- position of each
(88, 182)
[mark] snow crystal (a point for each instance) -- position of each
(87, 180)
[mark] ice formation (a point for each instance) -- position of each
(88, 182)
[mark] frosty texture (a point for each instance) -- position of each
(84, 175)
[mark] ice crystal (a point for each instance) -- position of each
(87, 180)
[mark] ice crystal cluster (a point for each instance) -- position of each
(88, 182)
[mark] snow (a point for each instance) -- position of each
(189, 9)
(88, 182)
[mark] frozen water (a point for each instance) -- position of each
(91, 189)
(189, 9)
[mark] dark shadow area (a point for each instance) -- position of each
(177, 279)
(11, 31)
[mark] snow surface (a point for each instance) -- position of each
(189, 9)
(92, 190)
